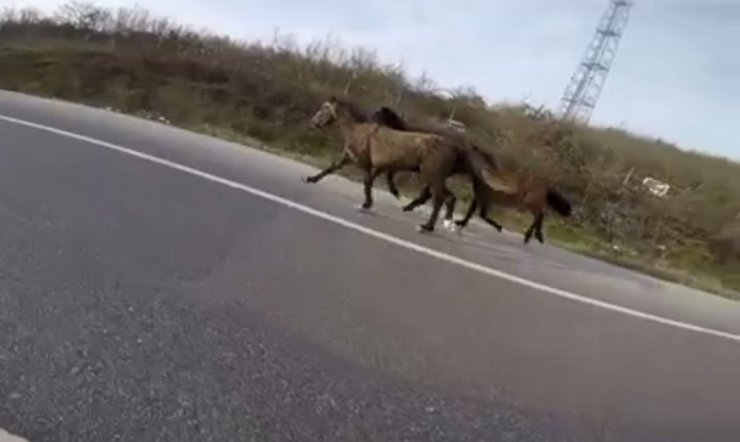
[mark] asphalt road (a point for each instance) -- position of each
(216, 297)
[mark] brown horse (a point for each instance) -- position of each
(376, 149)
(471, 164)
(509, 189)
(520, 191)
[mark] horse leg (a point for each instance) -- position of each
(538, 230)
(440, 193)
(392, 184)
(484, 215)
(370, 176)
(450, 202)
(423, 197)
(535, 202)
(469, 214)
(531, 229)
(478, 200)
(434, 171)
(336, 165)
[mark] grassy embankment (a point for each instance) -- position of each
(135, 63)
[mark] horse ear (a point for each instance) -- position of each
(333, 99)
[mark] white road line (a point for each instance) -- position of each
(384, 236)
(7, 437)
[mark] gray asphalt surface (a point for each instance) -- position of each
(140, 303)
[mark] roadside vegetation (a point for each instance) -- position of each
(133, 62)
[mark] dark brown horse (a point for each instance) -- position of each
(523, 192)
(490, 185)
(472, 163)
(377, 149)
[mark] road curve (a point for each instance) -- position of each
(162, 285)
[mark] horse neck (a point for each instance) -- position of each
(347, 125)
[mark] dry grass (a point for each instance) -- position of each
(134, 62)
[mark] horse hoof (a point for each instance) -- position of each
(363, 208)
(308, 179)
(452, 226)
(424, 229)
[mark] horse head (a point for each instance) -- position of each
(336, 109)
(326, 114)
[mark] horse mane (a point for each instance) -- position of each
(354, 111)
(386, 116)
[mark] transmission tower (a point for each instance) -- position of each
(585, 85)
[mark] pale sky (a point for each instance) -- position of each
(676, 75)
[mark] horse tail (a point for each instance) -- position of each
(477, 163)
(482, 166)
(485, 155)
(558, 202)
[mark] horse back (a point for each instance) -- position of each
(396, 144)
